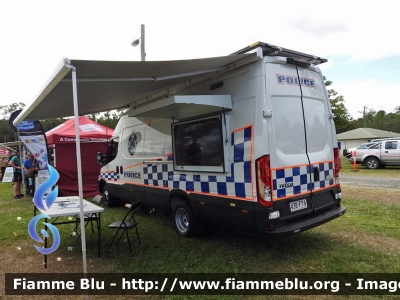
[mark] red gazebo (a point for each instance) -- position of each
(94, 138)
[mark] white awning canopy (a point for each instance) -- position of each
(107, 85)
(80, 87)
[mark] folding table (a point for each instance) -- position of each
(70, 206)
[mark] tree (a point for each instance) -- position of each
(342, 117)
(7, 133)
(109, 118)
(7, 110)
(48, 124)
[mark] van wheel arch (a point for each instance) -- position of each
(174, 196)
(102, 183)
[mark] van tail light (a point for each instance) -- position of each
(264, 187)
(337, 167)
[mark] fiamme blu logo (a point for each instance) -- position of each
(43, 201)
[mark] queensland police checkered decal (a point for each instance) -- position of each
(237, 184)
(112, 176)
(326, 177)
(295, 180)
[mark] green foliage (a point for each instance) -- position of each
(379, 120)
(371, 118)
(342, 117)
(7, 110)
(109, 118)
(7, 134)
(48, 124)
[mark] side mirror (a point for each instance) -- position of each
(100, 157)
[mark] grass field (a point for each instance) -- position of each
(389, 171)
(365, 240)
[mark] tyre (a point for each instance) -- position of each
(183, 219)
(107, 199)
(372, 163)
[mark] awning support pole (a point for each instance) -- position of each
(79, 167)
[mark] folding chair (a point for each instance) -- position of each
(89, 217)
(129, 222)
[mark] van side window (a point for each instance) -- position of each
(198, 143)
(376, 146)
(112, 151)
(391, 145)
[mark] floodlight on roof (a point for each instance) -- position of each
(135, 42)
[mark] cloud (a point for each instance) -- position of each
(318, 28)
(370, 93)
(43, 32)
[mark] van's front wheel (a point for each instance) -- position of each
(107, 199)
(183, 219)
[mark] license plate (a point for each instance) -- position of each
(298, 205)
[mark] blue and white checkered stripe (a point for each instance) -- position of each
(292, 181)
(237, 184)
(111, 176)
(325, 175)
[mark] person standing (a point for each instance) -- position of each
(4, 165)
(16, 164)
(28, 171)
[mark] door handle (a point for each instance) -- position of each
(121, 169)
(117, 170)
(386, 151)
(316, 173)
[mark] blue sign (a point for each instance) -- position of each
(26, 125)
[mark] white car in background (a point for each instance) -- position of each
(349, 152)
(361, 151)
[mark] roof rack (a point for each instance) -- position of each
(272, 50)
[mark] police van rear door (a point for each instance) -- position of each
(320, 142)
(299, 136)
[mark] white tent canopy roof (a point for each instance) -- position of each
(107, 85)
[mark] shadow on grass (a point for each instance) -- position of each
(222, 251)
(226, 251)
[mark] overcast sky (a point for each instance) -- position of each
(359, 39)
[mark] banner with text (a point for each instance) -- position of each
(32, 135)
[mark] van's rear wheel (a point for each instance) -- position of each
(183, 219)
(372, 163)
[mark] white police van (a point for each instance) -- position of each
(253, 148)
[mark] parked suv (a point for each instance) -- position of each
(384, 153)
(348, 153)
